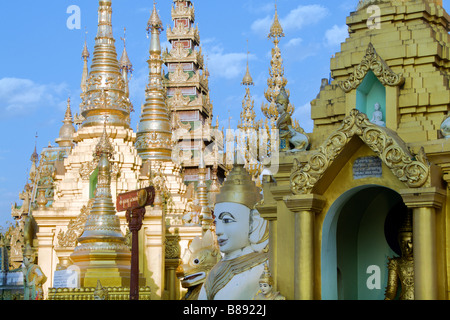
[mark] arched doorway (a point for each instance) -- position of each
(359, 234)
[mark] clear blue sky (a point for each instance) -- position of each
(42, 65)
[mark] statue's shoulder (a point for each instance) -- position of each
(393, 262)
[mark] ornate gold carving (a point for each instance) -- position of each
(413, 171)
(372, 61)
(152, 140)
(180, 32)
(178, 100)
(179, 75)
(172, 246)
(87, 293)
(179, 51)
(15, 234)
(277, 80)
(75, 228)
(183, 12)
(87, 168)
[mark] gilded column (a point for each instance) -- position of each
(172, 261)
(305, 207)
(424, 202)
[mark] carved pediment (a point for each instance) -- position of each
(412, 170)
(372, 61)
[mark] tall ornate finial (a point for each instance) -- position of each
(67, 130)
(248, 126)
(105, 82)
(126, 67)
(35, 157)
(125, 63)
(34, 164)
(276, 31)
(247, 81)
(154, 22)
(248, 115)
(85, 56)
(276, 80)
(154, 137)
(104, 146)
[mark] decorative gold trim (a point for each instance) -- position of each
(75, 228)
(372, 61)
(413, 171)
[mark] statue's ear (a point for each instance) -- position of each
(258, 228)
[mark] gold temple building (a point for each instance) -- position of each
(379, 153)
(378, 149)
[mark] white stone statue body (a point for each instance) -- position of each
(299, 140)
(239, 233)
(377, 116)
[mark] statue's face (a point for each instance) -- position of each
(280, 107)
(27, 260)
(265, 287)
(232, 226)
(406, 244)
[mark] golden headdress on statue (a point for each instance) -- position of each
(239, 188)
(28, 251)
(406, 226)
(100, 293)
(266, 276)
(282, 97)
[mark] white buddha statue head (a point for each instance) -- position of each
(239, 227)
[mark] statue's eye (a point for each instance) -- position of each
(228, 220)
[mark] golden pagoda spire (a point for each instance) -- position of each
(154, 137)
(276, 80)
(35, 156)
(276, 31)
(102, 253)
(126, 67)
(67, 130)
(247, 80)
(106, 88)
(248, 142)
(85, 55)
(248, 115)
